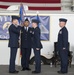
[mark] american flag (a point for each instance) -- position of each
(33, 4)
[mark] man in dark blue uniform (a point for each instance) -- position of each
(63, 46)
(14, 31)
(25, 45)
(36, 45)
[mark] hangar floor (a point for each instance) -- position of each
(46, 70)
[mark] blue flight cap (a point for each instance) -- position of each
(35, 21)
(63, 20)
(15, 17)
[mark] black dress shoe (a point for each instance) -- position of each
(28, 69)
(61, 72)
(23, 69)
(35, 72)
(14, 72)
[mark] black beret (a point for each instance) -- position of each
(35, 21)
(15, 17)
(63, 20)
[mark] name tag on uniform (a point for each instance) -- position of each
(30, 31)
(60, 32)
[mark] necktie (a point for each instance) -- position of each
(26, 29)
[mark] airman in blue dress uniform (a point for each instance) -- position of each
(36, 45)
(14, 32)
(26, 45)
(63, 46)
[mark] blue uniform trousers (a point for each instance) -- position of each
(13, 53)
(64, 60)
(37, 60)
(26, 52)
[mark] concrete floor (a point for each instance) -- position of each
(46, 70)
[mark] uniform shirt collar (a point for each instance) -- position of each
(26, 27)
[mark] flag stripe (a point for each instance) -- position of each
(33, 1)
(33, 4)
(5, 7)
(44, 8)
(37, 8)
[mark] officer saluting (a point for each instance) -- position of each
(63, 46)
(36, 45)
(14, 31)
(25, 45)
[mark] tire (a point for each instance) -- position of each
(43, 60)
